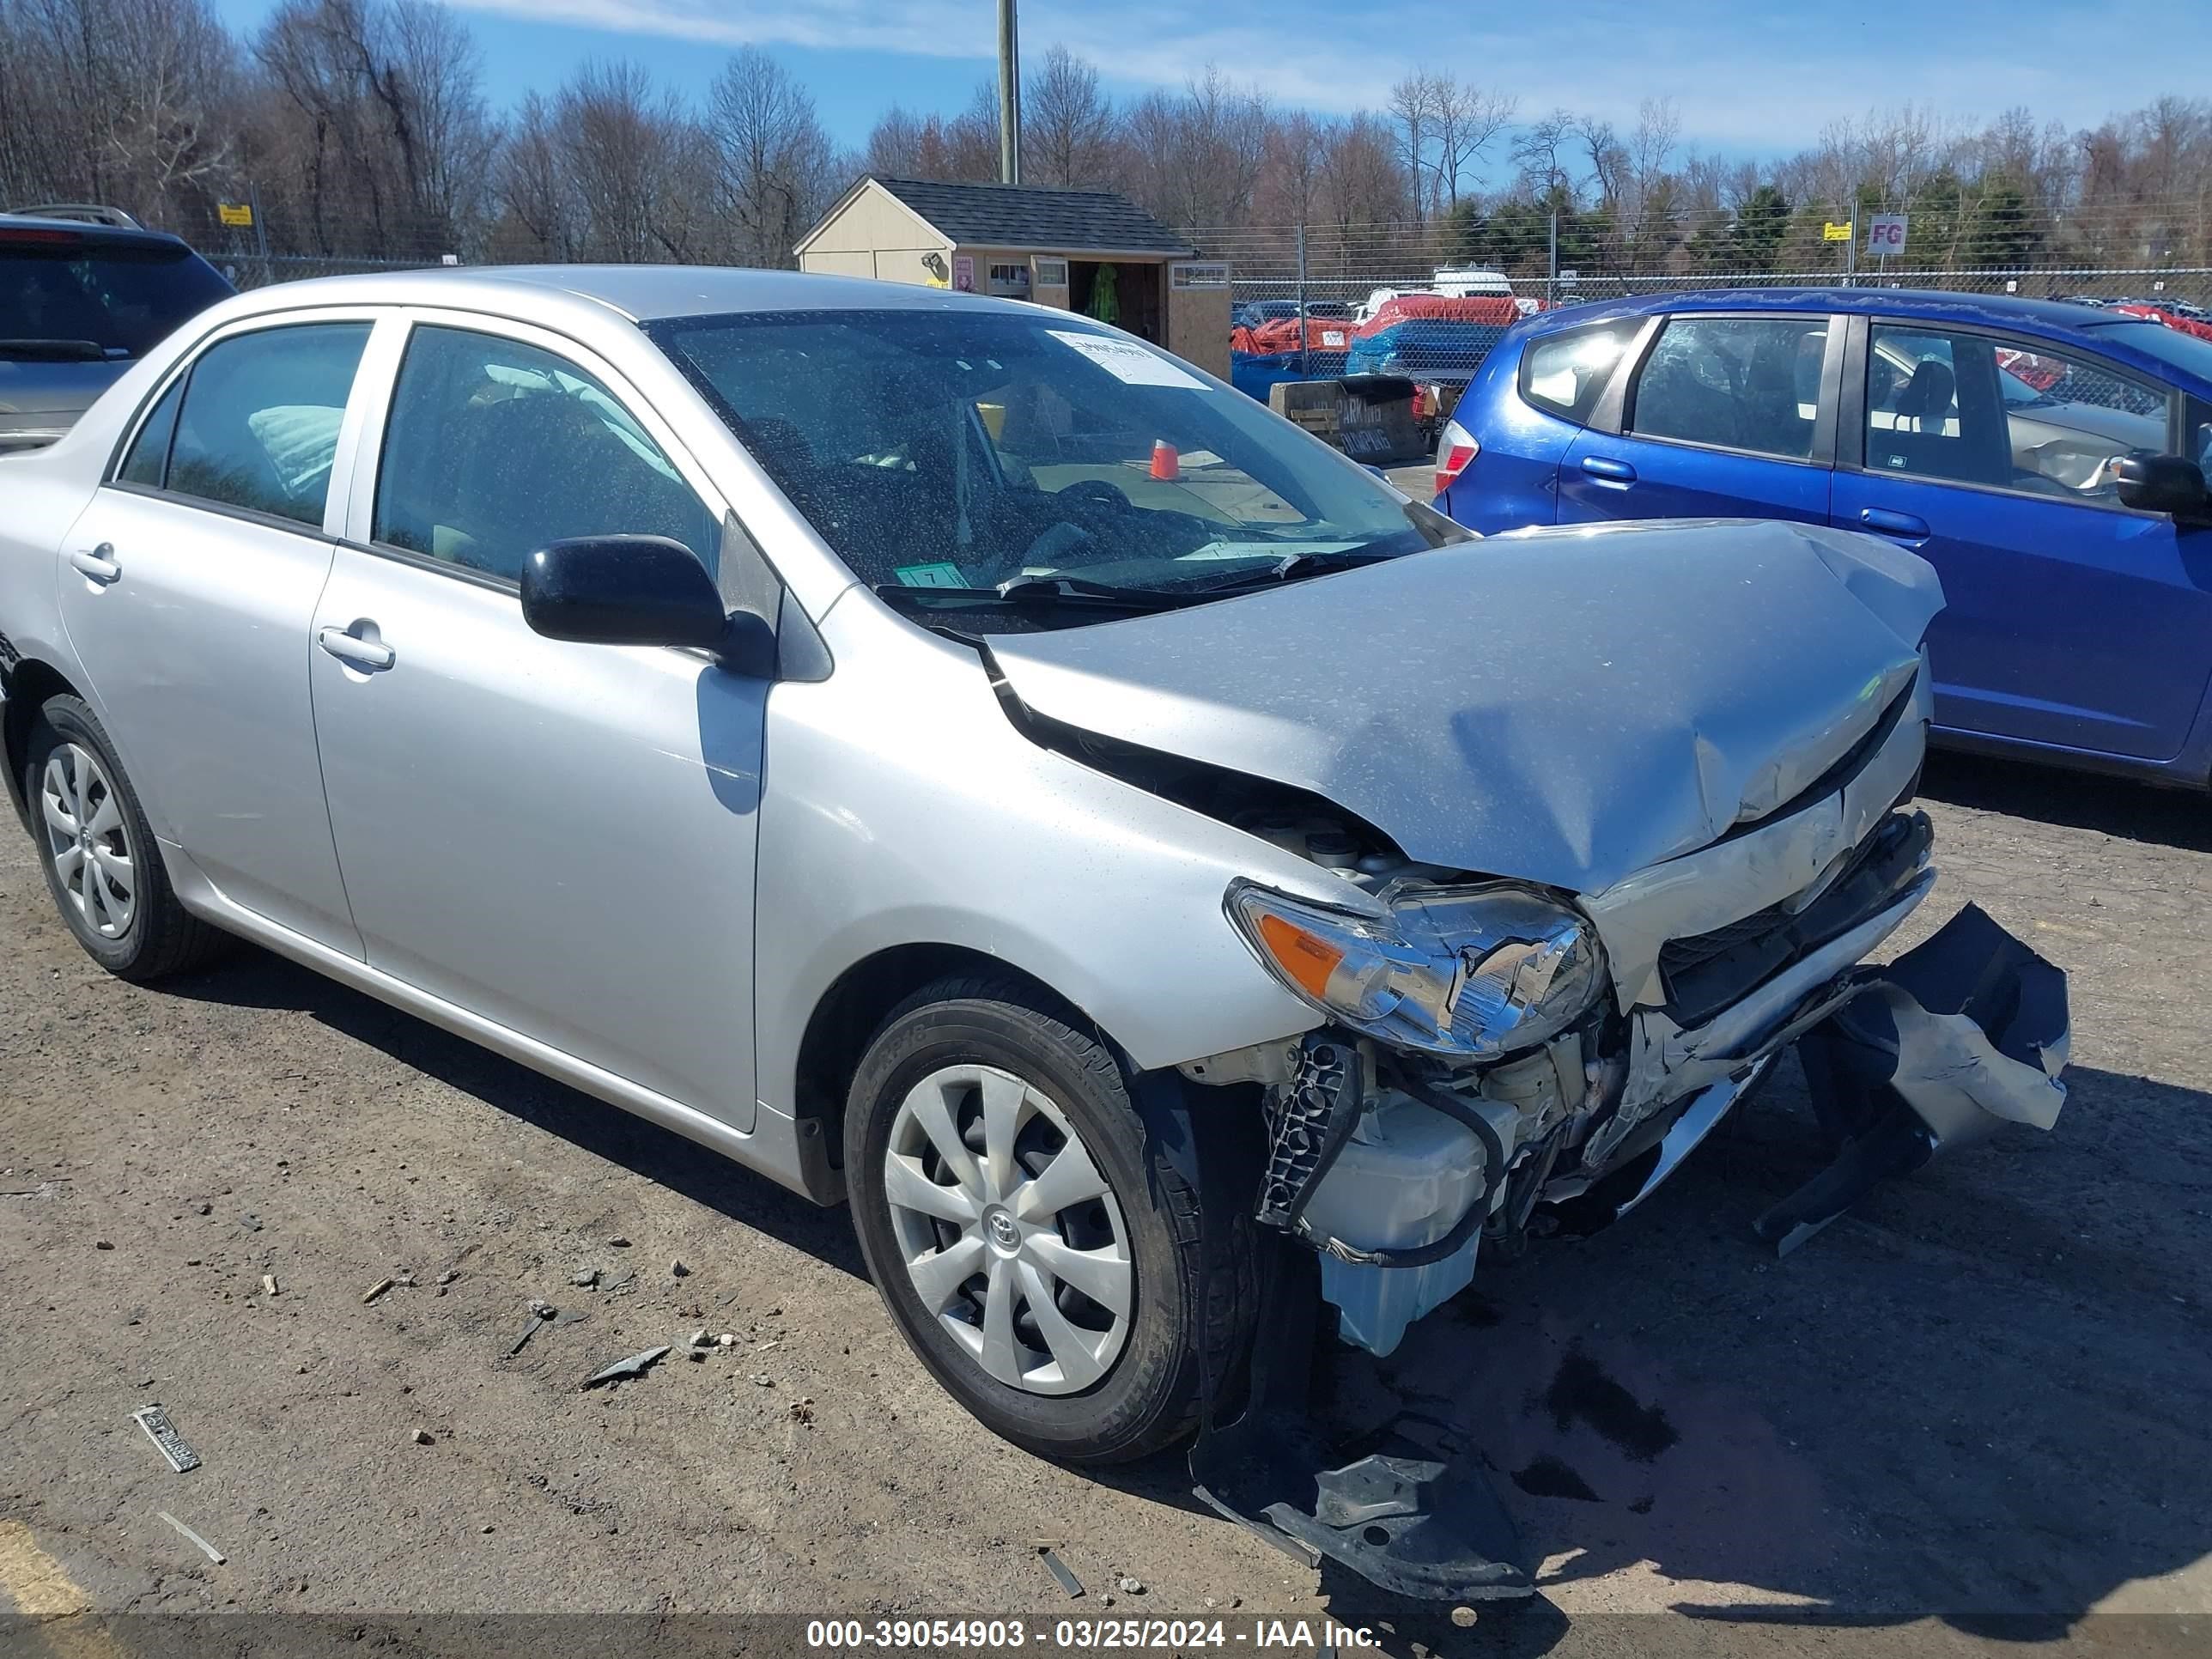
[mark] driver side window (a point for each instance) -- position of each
(494, 448)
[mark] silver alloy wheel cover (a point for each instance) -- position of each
(1007, 1232)
(88, 841)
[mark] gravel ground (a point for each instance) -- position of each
(1973, 1413)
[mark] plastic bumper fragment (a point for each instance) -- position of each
(1415, 1515)
(1960, 1034)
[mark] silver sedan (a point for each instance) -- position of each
(955, 759)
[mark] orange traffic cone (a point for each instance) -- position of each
(1166, 463)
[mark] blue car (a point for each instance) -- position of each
(2049, 460)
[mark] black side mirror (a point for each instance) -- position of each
(639, 590)
(2162, 484)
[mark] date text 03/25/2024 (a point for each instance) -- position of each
(1085, 1635)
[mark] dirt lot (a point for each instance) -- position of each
(1966, 1416)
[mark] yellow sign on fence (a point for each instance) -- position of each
(1832, 232)
(233, 213)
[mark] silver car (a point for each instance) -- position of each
(959, 761)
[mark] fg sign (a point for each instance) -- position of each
(1885, 233)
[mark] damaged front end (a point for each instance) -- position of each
(1502, 1062)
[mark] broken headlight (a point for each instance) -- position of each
(1474, 972)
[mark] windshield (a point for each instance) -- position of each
(122, 299)
(2168, 345)
(966, 450)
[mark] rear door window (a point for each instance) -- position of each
(259, 427)
(148, 463)
(1565, 373)
(1734, 383)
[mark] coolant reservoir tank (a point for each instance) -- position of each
(1406, 1177)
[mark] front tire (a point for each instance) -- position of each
(97, 850)
(1040, 1259)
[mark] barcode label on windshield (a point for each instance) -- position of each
(1128, 361)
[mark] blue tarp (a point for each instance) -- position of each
(1427, 348)
(1253, 372)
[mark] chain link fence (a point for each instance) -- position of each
(1440, 329)
(1434, 323)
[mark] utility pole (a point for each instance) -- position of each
(1010, 96)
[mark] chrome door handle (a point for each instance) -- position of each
(349, 647)
(97, 564)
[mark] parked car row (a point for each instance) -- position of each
(2048, 460)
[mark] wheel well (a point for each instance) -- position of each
(29, 685)
(852, 1007)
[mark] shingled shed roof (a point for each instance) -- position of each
(1026, 216)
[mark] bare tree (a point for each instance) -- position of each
(1365, 182)
(540, 217)
(1196, 159)
(130, 101)
(1067, 124)
(437, 73)
(1468, 121)
(372, 126)
(1608, 161)
(778, 168)
(895, 144)
(1414, 106)
(1541, 153)
(1298, 149)
(641, 169)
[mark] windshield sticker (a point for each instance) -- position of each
(930, 575)
(1128, 361)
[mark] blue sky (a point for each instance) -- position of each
(1745, 76)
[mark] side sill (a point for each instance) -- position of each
(773, 1148)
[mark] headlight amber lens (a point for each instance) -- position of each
(1476, 972)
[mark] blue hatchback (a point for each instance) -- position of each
(2049, 459)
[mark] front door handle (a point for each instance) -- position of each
(1612, 472)
(357, 645)
(97, 564)
(1904, 526)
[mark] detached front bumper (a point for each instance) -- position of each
(1964, 1032)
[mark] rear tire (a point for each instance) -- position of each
(99, 854)
(1095, 1378)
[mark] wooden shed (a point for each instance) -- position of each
(1054, 248)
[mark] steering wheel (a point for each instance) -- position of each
(1097, 489)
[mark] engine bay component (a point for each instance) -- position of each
(1310, 1119)
(1399, 1217)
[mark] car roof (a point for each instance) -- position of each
(641, 293)
(98, 235)
(2006, 310)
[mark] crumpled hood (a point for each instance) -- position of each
(1564, 706)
